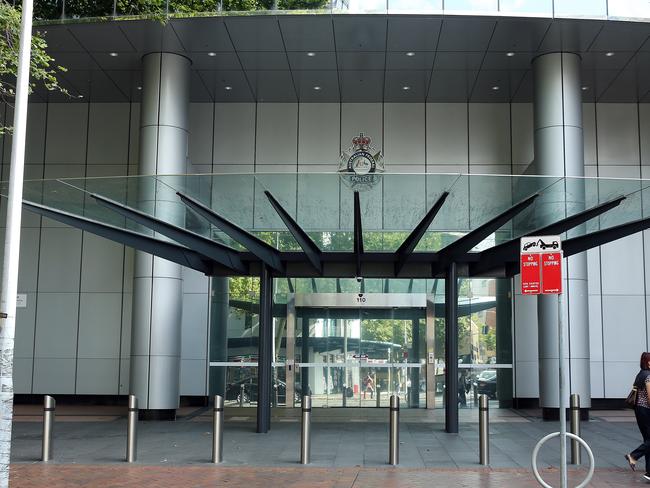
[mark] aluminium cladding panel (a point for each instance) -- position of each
(620, 270)
(618, 134)
(447, 134)
(201, 133)
(319, 134)
(276, 140)
(489, 133)
(404, 134)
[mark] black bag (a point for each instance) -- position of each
(630, 401)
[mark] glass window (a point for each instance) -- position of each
(471, 5)
(527, 6)
(629, 8)
(415, 5)
(580, 8)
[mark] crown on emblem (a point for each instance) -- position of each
(361, 140)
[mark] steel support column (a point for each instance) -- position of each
(265, 354)
(451, 349)
(559, 151)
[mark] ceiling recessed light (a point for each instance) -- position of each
(139, 87)
(212, 54)
(609, 54)
(510, 54)
(311, 54)
(317, 88)
(585, 88)
(495, 87)
(406, 87)
(410, 54)
(227, 87)
(113, 55)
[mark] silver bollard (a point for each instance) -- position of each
(49, 407)
(575, 428)
(393, 447)
(378, 391)
(131, 430)
(484, 430)
(305, 438)
(217, 430)
(242, 389)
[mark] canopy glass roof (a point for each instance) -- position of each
(322, 205)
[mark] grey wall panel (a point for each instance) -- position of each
(127, 311)
(595, 328)
(526, 379)
(134, 136)
(362, 117)
(489, 133)
(28, 265)
(66, 133)
(589, 132)
(101, 265)
(623, 337)
(621, 273)
(644, 125)
(276, 142)
(597, 380)
(234, 133)
(23, 375)
(525, 328)
(125, 365)
(194, 330)
(56, 325)
(100, 321)
(618, 133)
(404, 133)
(201, 133)
(60, 260)
(195, 282)
(619, 375)
(129, 254)
(522, 132)
(446, 135)
(593, 271)
(100, 170)
(108, 133)
(618, 171)
(54, 376)
(193, 379)
(25, 325)
(490, 169)
(319, 134)
(97, 376)
(35, 144)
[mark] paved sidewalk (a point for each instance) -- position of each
(111, 476)
(347, 451)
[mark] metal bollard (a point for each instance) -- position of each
(305, 438)
(217, 430)
(484, 430)
(131, 430)
(393, 445)
(378, 396)
(49, 407)
(242, 389)
(575, 428)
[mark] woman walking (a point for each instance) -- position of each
(642, 414)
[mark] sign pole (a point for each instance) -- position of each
(562, 406)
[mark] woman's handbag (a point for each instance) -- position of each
(630, 401)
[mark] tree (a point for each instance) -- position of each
(43, 69)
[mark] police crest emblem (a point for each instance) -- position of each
(361, 164)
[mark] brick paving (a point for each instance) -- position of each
(114, 476)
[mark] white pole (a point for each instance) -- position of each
(562, 366)
(12, 243)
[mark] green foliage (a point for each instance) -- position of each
(43, 69)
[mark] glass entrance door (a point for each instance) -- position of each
(359, 356)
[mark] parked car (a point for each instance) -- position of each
(234, 390)
(486, 383)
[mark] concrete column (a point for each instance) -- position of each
(158, 285)
(559, 151)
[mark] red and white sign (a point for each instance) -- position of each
(541, 265)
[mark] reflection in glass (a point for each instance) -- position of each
(629, 8)
(472, 5)
(415, 5)
(580, 8)
(526, 6)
